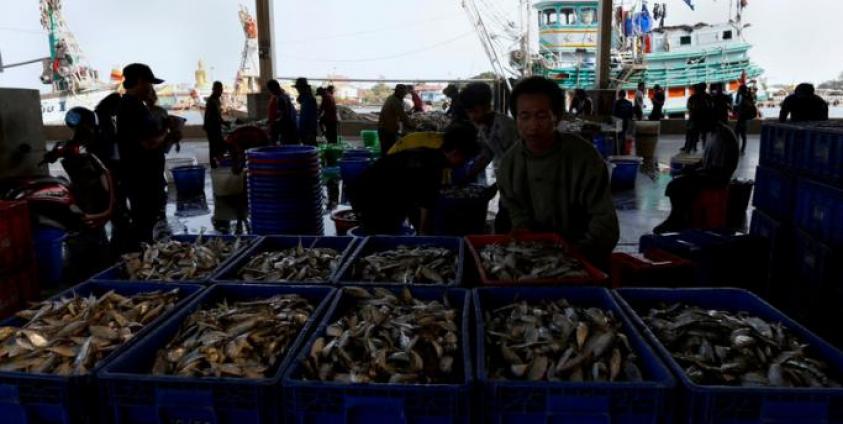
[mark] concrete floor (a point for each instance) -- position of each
(639, 210)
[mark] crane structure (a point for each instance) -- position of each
(67, 68)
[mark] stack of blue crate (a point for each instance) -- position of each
(799, 209)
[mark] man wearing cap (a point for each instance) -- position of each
(391, 117)
(140, 142)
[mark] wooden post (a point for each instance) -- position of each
(266, 52)
(604, 44)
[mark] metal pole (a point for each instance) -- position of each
(525, 47)
(604, 44)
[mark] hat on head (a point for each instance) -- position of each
(137, 71)
(301, 82)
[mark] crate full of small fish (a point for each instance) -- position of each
(220, 359)
(183, 258)
(50, 352)
(571, 352)
(539, 259)
(405, 260)
(397, 354)
(291, 260)
(739, 359)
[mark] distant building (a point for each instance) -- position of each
(347, 93)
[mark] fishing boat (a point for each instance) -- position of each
(644, 50)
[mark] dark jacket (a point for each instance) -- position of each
(803, 106)
(308, 115)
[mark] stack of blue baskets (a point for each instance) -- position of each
(352, 165)
(285, 194)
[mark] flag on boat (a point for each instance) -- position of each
(690, 4)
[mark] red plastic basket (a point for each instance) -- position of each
(653, 268)
(476, 242)
(15, 236)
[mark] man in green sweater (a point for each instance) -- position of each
(556, 182)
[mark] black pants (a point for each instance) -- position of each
(387, 140)
(656, 114)
(692, 138)
(144, 211)
(740, 131)
(216, 145)
(330, 132)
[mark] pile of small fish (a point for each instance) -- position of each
(173, 260)
(518, 261)
(736, 349)
(388, 338)
(242, 339)
(294, 264)
(555, 341)
(469, 192)
(70, 336)
(408, 265)
(430, 121)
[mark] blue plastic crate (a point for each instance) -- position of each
(819, 211)
(381, 243)
(315, 402)
(27, 398)
(822, 155)
(775, 192)
(650, 401)
(739, 405)
(779, 237)
(779, 145)
(344, 245)
(117, 273)
(133, 396)
(816, 268)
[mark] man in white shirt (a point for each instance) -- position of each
(496, 133)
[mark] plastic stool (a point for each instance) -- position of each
(710, 209)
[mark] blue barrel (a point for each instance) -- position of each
(624, 171)
(189, 180)
(284, 190)
(603, 145)
(350, 170)
(357, 153)
(49, 255)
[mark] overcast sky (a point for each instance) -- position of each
(795, 40)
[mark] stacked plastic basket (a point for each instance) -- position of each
(285, 195)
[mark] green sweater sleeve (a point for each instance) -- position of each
(603, 231)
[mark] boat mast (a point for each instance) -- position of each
(476, 20)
